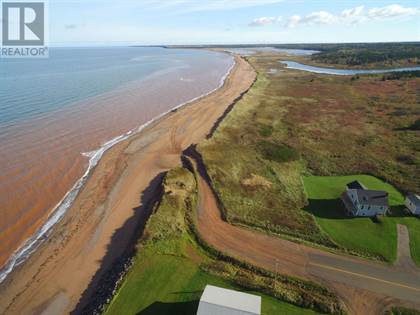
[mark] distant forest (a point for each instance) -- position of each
(361, 54)
(358, 54)
(353, 54)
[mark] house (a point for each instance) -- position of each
(412, 202)
(362, 202)
(221, 301)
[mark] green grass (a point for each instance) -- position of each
(265, 131)
(163, 284)
(413, 225)
(331, 187)
(168, 275)
(361, 235)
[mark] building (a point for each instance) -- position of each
(412, 202)
(221, 301)
(362, 202)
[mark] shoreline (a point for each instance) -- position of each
(30, 245)
(104, 207)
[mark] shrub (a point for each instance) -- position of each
(415, 125)
(266, 131)
(277, 152)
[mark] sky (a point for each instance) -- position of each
(156, 22)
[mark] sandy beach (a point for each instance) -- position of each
(61, 275)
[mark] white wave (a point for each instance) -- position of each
(58, 212)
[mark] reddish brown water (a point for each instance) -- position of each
(41, 158)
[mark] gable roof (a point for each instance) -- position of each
(232, 302)
(415, 199)
(372, 197)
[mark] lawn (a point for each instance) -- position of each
(361, 235)
(164, 284)
(171, 270)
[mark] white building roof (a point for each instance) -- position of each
(217, 300)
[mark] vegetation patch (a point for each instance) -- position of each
(266, 131)
(277, 152)
(238, 155)
(415, 125)
(400, 75)
(256, 181)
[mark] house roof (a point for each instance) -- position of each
(355, 185)
(368, 197)
(228, 302)
(372, 197)
(414, 199)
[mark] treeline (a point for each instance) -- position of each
(363, 56)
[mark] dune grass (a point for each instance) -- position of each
(360, 235)
(255, 172)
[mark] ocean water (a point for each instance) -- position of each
(303, 67)
(59, 115)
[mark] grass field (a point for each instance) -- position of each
(361, 235)
(171, 269)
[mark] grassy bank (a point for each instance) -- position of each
(171, 269)
(256, 175)
(294, 124)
